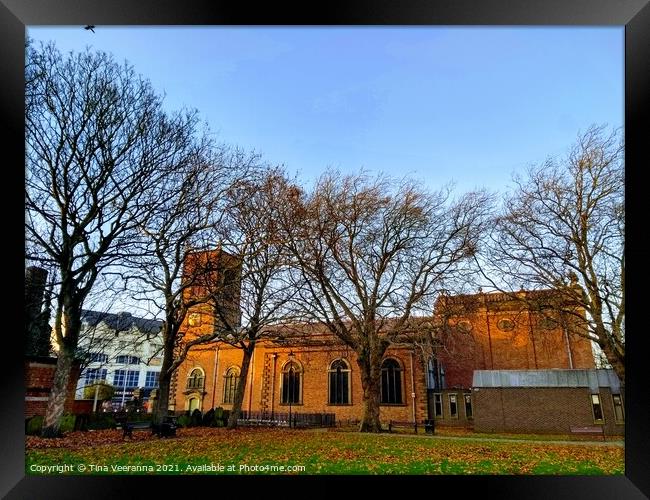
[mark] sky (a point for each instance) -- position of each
(469, 105)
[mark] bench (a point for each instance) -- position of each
(260, 422)
(167, 428)
(593, 430)
(402, 423)
(129, 427)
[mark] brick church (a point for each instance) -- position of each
(307, 370)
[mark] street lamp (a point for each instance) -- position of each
(291, 383)
(96, 396)
(275, 358)
(124, 372)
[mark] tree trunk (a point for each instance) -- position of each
(241, 388)
(164, 386)
(162, 401)
(59, 393)
(615, 360)
(68, 326)
(371, 384)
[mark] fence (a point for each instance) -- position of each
(287, 420)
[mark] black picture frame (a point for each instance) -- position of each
(633, 14)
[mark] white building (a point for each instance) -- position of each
(121, 349)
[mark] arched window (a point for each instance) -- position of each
(391, 382)
(339, 383)
(291, 382)
(195, 379)
(231, 382)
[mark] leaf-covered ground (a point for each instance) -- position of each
(278, 451)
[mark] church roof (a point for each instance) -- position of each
(511, 300)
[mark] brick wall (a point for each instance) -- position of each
(263, 391)
(527, 346)
(486, 345)
(39, 376)
(540, 410)
(80, 406)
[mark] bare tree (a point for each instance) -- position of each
(447, 335)
(174, 270)
(372, 253)
(251, 234)
(97, 142)
(563, 228)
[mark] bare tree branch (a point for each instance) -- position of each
(97, 144)
(372, 254)
(563, 228)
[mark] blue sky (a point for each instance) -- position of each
(468, 104)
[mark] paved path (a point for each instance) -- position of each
(509, 440)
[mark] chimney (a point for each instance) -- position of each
(37, 313)
(35, 278)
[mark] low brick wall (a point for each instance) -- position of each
(80, 406)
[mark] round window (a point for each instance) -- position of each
(506, 325)
(464, 326)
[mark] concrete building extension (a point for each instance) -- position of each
(548, 401)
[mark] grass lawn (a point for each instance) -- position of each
(279, 451)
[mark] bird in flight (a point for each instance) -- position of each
(90, 27)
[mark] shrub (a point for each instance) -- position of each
(218, 421)
(220, 417)
(196, 418)
(104, 391)
(184, 421)
(81, 422)
(101, 421)
(67, 423)
(33, 425)
(208, 418)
